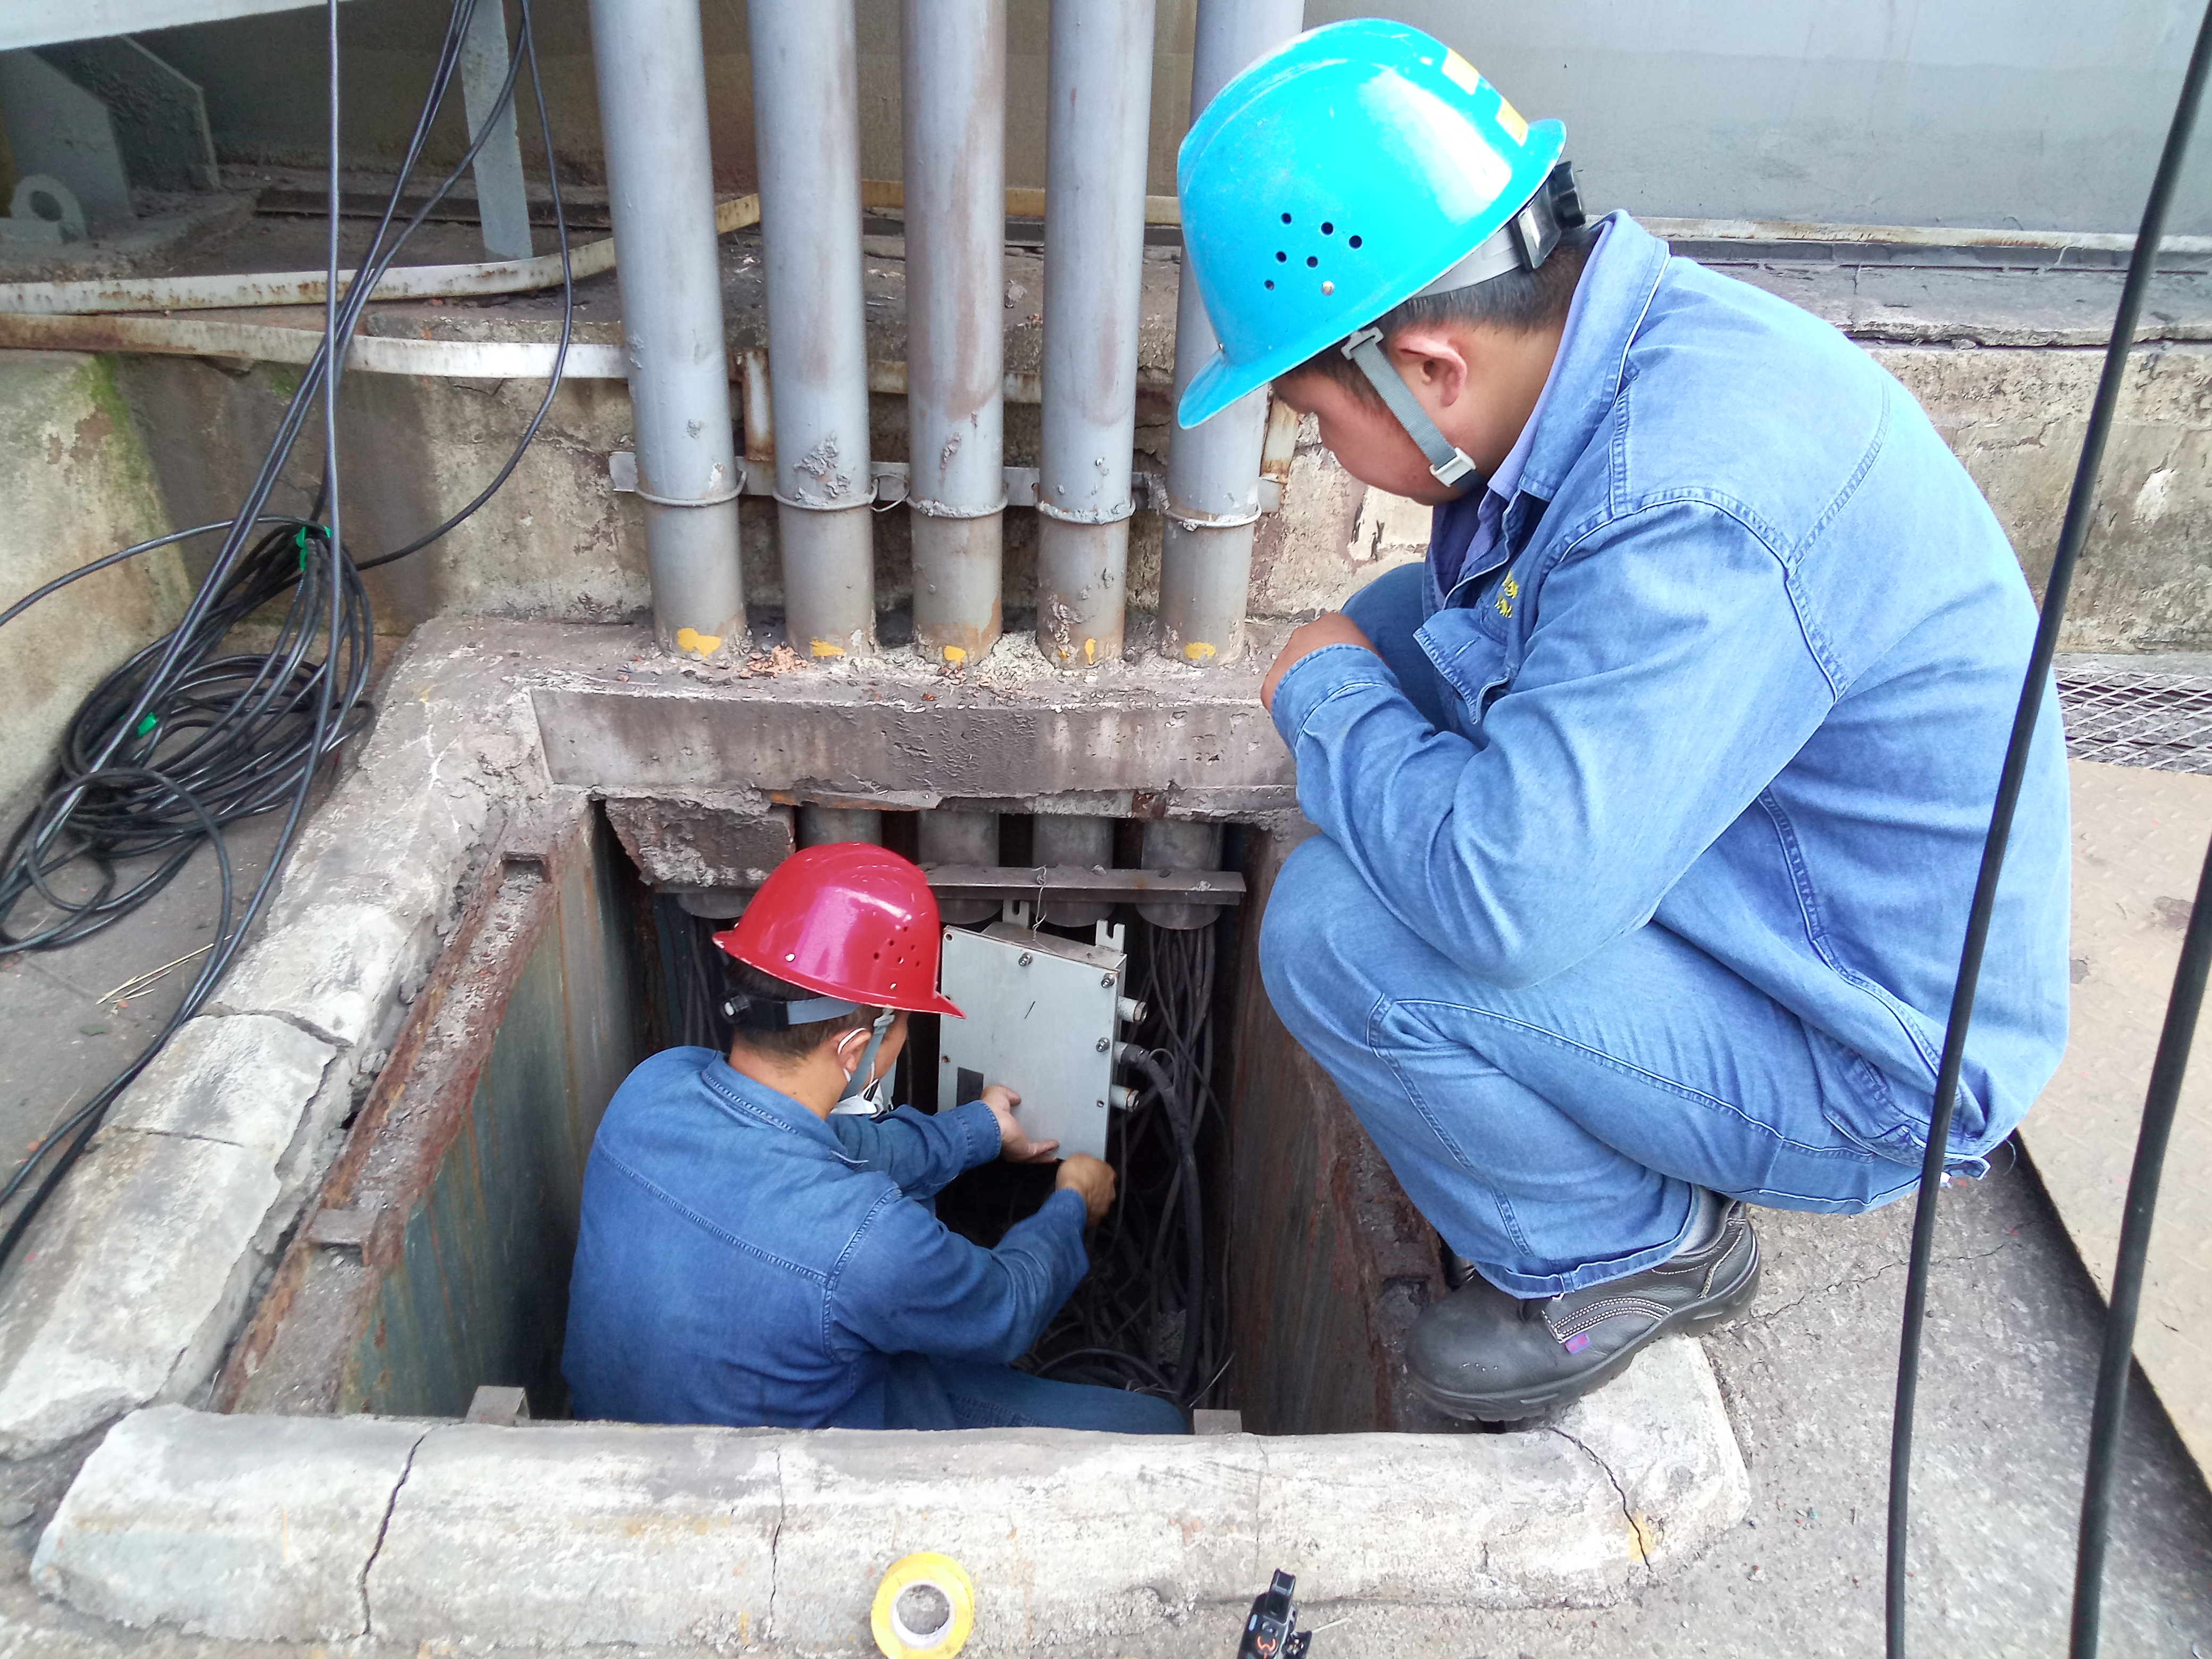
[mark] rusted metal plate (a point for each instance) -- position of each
(1330, 1261)
(438, 1259)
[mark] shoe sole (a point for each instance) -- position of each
(1514, 1408)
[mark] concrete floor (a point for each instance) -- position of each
(67, 1036)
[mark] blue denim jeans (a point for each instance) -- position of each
(985, 1397)
(1552, 1134)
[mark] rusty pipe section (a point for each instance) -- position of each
(953, 74)
(806, 126)
(1096, 131)
(652, 73)
(1213, 469)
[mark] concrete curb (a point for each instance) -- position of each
(303, 1528)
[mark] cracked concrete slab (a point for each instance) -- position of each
(129, 1284)
(241, 1081)
(240, 1527)
(588, 1535)
(575, 1535)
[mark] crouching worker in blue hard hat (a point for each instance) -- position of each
(1651, 803)
(750, 1256)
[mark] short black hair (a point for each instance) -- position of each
(757, 1022)
(1521, 301)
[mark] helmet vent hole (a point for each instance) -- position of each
(1287, 218)
(1311, 261)
(1327, 229)
(1282, 257)
(1355, 242)
(1271, 281)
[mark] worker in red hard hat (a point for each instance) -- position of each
(750, 1256)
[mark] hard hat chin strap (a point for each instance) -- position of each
(1450, 464)
(1522, 243)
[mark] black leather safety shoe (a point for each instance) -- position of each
(1480, 1353)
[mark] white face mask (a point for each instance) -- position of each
(868, 1097)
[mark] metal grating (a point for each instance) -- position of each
(2137, 717)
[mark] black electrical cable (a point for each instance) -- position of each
(181, 740)
(2161, 1103)
(1154, 1064)
(2142, 264)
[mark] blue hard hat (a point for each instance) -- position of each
(1339, 175)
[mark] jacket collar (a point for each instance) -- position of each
(755, 1102)
(1615, 293)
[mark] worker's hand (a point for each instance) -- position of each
(1014, 1145)
(1330, 628)
(1093, 1179)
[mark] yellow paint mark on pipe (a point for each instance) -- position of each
(824, 648)
(954, 654)
(1091, 651)
(704, 645)
(1200, 651)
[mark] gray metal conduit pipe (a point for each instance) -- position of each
(820, 826)
(1178, 844)
(953, 87)
(1095, 139)
(1213, 469)
(953, 834)
(1061, 838)
(806, 127)
(652, 72)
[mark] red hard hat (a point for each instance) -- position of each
(848, 920)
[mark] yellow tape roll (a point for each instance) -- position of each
(908, 1627)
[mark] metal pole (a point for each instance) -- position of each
(953, 82)
(1059, 838)
(651, 75)
(1096, 134)
(819, 826)
(806, 124)
(1213, 469)
(502, 204)
(950, 834)
(1178, 844)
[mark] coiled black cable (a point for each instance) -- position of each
(2141, 266)
(182, 739)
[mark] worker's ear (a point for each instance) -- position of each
(847, 1048)
(1433, 361)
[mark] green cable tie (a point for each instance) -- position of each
(149, 724)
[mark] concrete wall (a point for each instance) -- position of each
(77, 486)
(2033, 113)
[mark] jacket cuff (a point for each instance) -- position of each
(1313, 679)
(978, 1125)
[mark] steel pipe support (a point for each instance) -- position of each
(818, 826)
(1059, 838)
(806, 128)
(1095, 139)
(953, 70)
(949, 835)
(1213, 469)
(1176, 844)
(651, 71)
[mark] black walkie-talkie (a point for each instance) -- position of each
(1271, 1632)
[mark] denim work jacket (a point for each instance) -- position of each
(1743, 663)
(742, 1261)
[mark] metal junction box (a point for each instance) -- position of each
(1043, 1019)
